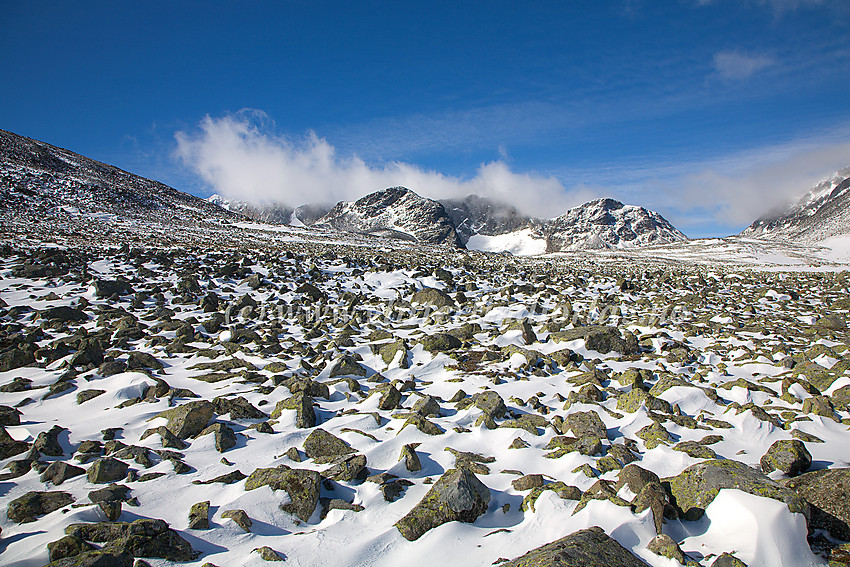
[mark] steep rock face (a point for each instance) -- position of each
(39, 179)
(606, 223)
(398, 213)
(479, 215)
(821, 213)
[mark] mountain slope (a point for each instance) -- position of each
(606, 223)
(40, 179)
(476, 215)
(821, 213)
(396, 212)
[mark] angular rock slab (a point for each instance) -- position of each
(457, 497)
(585, 548)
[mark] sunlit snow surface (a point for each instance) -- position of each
(519, 243)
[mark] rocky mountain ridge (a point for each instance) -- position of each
(821, 213)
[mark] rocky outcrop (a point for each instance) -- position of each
(397, 213)
(585, 548)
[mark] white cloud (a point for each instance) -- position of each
(241, 157)
(732, 65)
(734, 191)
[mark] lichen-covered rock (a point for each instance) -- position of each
(440, 342)
(58, 472)
(266, 553)
(697, 485)
(665, 546)
(67, 546)
(225, 437)
(146, 537)
(30, 506)
(320, 444)
(47, 442)
(302, 403)
(301, 485)
(347, 468)
(390, 351)
(457, 496)
(492, 407)
(99, 558)
(788, 456)
(599, 338)
(239, 517)
(347, 365)
(586, 424)
(107, 469)
(729, 560)
(189, 419)
(591, 547)
(411, 459)
(9, 446)
(828, 493)
(432, 296)
(199, 516)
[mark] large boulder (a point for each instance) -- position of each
(322, 445)
(145, 537)
(788, 456)
(301, 485)
(697, 485)
(457, 497)
(585, 548)
(108, 288)
(31, 505)
(9, 446)
(107, 469)
(432, 296)
(828, 493)
(189, 419)
(603, 339)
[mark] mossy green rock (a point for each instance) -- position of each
(301, 485)
(189, 419)
(788, 456)
(696, 487)
(320, 444)
(457, 497)
(432, 296)
(440, 342)
(828, 493)
(346, 365)
(585, 548)
(31, 505)
(98, 558)
(632, 401)
(388, 353)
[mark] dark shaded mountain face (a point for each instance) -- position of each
(606, 223)
(477, 215)
(397, 212)
(821, 213)
(37, 179)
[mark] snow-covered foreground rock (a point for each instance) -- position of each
(363, 407)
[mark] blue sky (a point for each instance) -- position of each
(708, 111)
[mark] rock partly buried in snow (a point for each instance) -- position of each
(828, 493)
(107, 469)
(601, 338)
(98, 558)
(697, 485)
(189, 419)
(585, 548)
(321, 445)
(432, 296)
(788, 456)
(145, 537)
(457, 497)
(301, 485)
(34, 504)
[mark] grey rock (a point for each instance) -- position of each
(585, 548)
(457, 496)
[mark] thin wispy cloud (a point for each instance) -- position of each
(242, 157)
(736, 66)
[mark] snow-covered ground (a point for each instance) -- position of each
(710, 347)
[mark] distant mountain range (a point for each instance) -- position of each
(400, 213)
(821, 213)
(39, 181)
